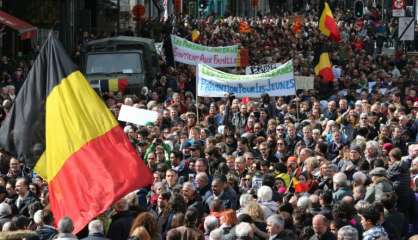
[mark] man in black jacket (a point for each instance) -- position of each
(25, 197)
(192, 198)
(219, 191)
(121, 221)
(275, 228)
(320, 225)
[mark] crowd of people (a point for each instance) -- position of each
(336, 162)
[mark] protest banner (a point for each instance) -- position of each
(191, 53)
(304, 82)
(261, 68)
(137, 115)
(214, 83)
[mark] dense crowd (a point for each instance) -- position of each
(336, 162)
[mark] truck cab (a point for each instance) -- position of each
(133, 60)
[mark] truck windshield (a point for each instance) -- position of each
(108, 63)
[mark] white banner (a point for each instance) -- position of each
(261, 68)
(214, 83)
(191, 53)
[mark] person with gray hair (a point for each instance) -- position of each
(96, 231)
(216, 234)
(303, 202)
(244, 200)
(359, 178)
(264, 197)
(347, 233)
(372, 152)
(340, 186)
(320, 225)
(65, 229)
(191, 197)
(44, 221)
(244, 231)
(210, 224)
(275, 227)
(202, 185)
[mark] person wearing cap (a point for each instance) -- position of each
(380, 185)
(196, 150)
(356, 157)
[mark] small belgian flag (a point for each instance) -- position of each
(322, 63)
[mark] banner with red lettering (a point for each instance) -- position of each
(191, 53)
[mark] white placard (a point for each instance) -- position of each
(261, 68)
(137, 115)
(304, 82)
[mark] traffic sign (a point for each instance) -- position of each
(398, 8)
(406, 28)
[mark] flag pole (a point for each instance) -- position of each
(197, 93)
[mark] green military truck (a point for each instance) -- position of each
(133, 60)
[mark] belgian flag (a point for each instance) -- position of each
(322, 63)
(113, 85)
(327, 24)
(63, 131)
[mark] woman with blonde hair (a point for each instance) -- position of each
(255, 211)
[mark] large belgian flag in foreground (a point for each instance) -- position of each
(61, 128)
(322, 63)
(327, 24)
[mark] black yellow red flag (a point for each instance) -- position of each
(327, 24)
(61, 129)
(322, 64)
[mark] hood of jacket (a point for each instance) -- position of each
(17, 235)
